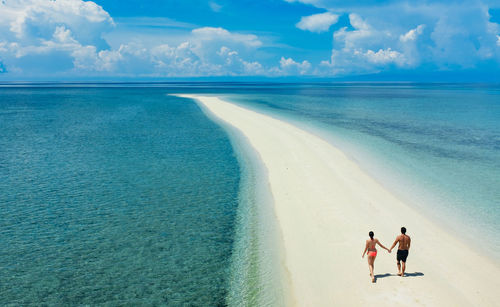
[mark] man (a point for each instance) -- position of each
(403, 248)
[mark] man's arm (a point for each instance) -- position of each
(394, 244)
(409, 243)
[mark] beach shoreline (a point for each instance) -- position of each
(257, 276)
(325, 205)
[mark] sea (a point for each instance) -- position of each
(123, 194)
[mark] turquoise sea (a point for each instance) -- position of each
(121, 194)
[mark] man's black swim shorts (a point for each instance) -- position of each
(402, 255)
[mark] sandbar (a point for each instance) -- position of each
(325, 204)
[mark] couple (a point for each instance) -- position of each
(404, 245)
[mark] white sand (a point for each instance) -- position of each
(325, 205)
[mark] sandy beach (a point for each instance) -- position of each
(325, 205)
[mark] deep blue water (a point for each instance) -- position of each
(121, 194)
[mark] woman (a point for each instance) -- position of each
(372, 252)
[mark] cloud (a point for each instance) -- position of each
(40, 36)
(236, 65)
(79, 38)
(152, 22)
(362, 35)
(318, 22)
(66, 37)
(412, 34)
(464, 39)
(363, 49)
(403, 35)
(178, 60)
(290, 67)
(215, 6)
(31, 20)
(220, 34)
(194, 57)
(384, 56)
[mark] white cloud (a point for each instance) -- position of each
(185, 59)
(363, 34)
(66, 36)
(220, 34)
(365, 49)
(290, 67)
(61, 40)
(233, 63)
(44, 36)
(412, 34)
(214, 6)
(384, 56)
(454, 35)
(63, 35)
(224, 51)
(463, 37)
(318, 22)
(177, 60)
(73, 36)
(87, 58)
(253, 68)
(157, 22)
(32, 20)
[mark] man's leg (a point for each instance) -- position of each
(399, 267)
(404, 268)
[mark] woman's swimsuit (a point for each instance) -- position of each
(373, 253)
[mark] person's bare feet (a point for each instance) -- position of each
(373, 279)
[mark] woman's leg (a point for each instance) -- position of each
(371, 262)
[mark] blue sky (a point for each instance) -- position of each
(373, 40)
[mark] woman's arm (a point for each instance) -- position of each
(364, 252)
(378, 242)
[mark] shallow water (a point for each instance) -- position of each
(113, 196)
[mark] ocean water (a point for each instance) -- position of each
(122, 194)
(118, 196)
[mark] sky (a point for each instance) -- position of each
(457, 40)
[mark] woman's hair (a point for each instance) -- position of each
(371, 234)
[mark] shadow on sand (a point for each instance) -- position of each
(415, 274)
